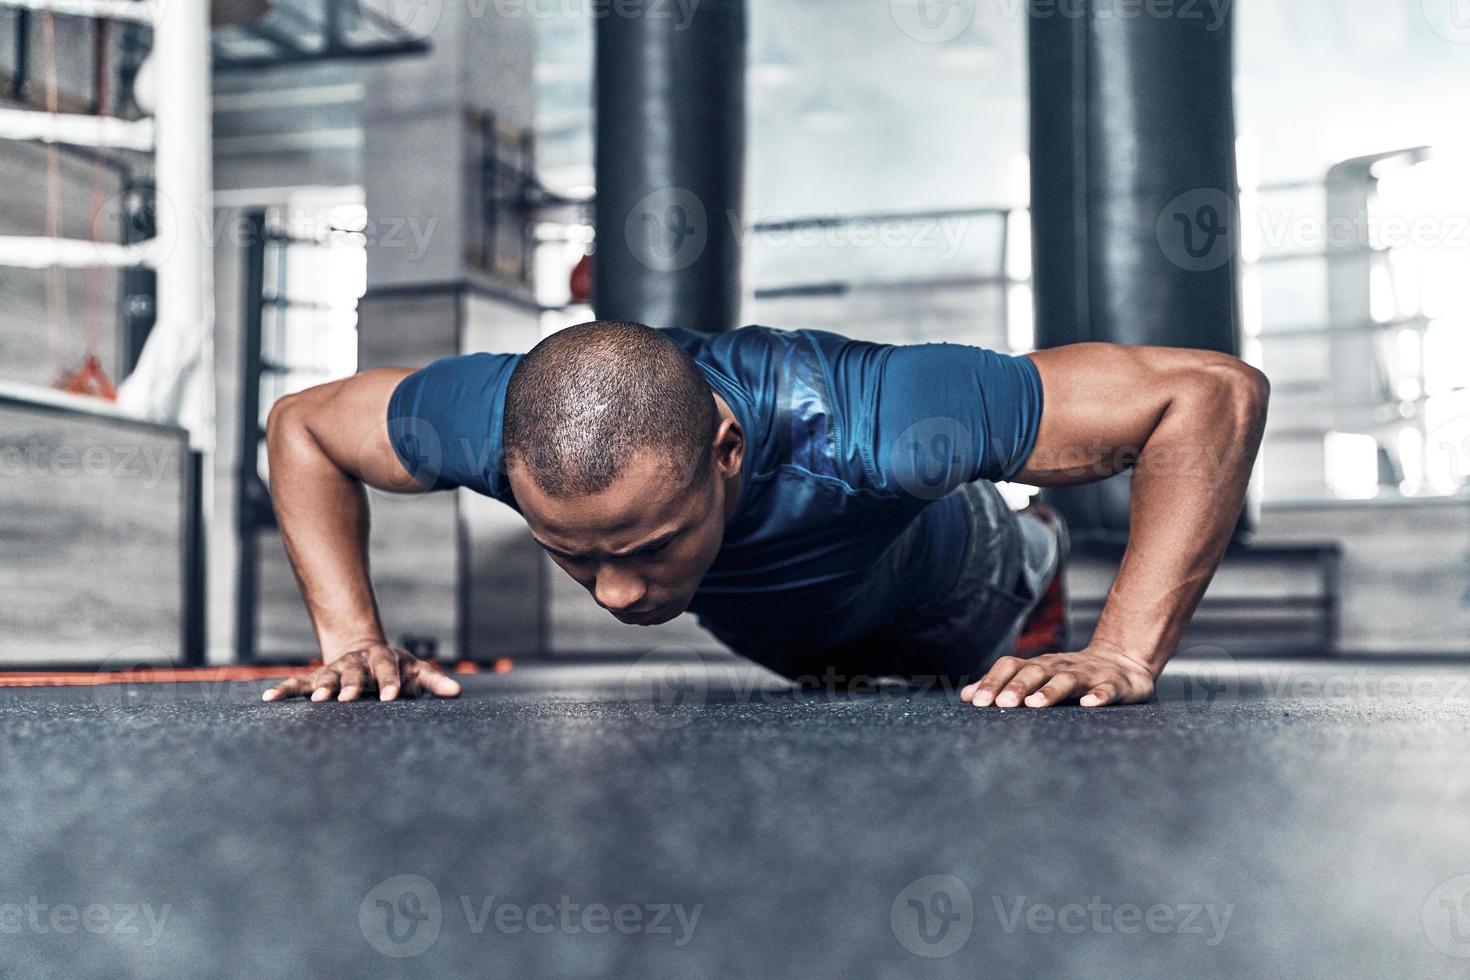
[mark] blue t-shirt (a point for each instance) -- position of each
(848, 444)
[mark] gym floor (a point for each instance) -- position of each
(1262, 818)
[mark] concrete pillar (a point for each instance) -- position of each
(445, 564)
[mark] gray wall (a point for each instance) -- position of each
(92, 532)
(1405, 570)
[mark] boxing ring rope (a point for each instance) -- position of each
(75, 129)
(132, 11)
(38, 252)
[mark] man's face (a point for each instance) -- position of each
(642, 546)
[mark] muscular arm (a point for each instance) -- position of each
(325, 444)
(1189, 423)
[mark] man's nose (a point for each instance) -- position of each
(617, 590)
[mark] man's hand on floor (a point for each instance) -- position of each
(386, 670)
(1098, 676)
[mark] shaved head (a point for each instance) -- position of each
(589, 398)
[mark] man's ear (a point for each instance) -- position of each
(729, 447)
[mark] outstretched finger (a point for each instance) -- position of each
(1100, 695)
(983, 692)
(430, 678)
(354, 677)
(1027, 679)
(325, 683)
(384, 665)
(1059, 688)
(292, 687)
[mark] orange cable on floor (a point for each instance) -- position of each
(178, 675)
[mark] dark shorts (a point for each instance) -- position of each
(952, 638)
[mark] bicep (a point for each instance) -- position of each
(348, 419)
(1101, 404)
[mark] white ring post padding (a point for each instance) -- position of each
(35, 252)
(77, 130)
(134, 11)
(174, 378)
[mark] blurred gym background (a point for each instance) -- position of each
(203, 211)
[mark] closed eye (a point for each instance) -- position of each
(654, 552)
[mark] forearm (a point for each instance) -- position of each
(1189, 483)
(323, 515)
(1189, 423)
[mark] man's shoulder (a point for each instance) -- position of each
(757, 349)
(751, 335)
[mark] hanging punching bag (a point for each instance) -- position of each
(1134, 197)
(670, 164)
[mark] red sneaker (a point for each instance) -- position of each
(1046, 629)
